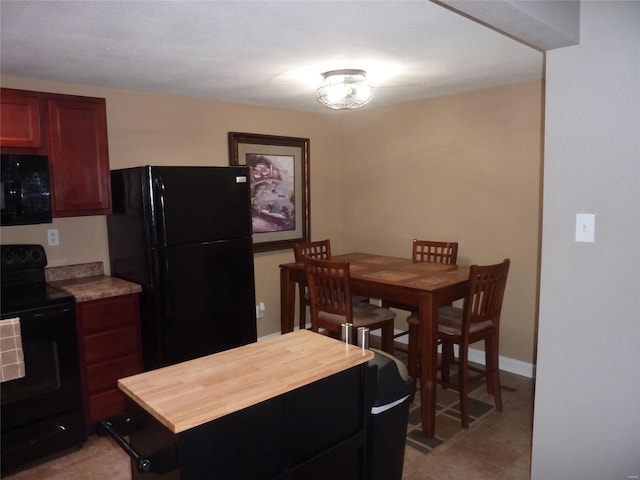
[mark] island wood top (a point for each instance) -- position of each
(192, 393)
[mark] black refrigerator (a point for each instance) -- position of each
(184, 234)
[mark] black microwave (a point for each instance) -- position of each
(25, 193)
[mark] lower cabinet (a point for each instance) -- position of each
(316, 432)
(109, 340)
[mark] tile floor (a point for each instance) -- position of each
(496, 447)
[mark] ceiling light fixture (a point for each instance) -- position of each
(344, 89)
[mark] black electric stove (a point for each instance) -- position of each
(42, 411)
(17, 300)
(22, 281)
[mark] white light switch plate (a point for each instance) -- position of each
(585, 227)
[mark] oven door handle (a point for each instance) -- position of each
(29, 443)
(162, 461)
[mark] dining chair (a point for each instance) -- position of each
(435, 252)
(477, 320)
(329, 284)
(320, 249)
(432, 252)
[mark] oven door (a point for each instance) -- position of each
(42, 411)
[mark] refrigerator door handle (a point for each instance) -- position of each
(159, 193)
(165, 289)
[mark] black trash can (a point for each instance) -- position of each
(387, 423)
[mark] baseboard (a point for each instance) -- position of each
(271, 335)
(477, 356)
(507, 364)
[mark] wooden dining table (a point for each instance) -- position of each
(425, 286)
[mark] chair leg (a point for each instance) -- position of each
(387, 338)
(493, 375)
(303, 306)
(488, 362)
(447, 360)
(463, 376)
(414, 349)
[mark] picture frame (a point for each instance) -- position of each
(279, 185)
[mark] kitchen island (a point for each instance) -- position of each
(292, 407)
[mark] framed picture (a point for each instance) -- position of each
(279, 180)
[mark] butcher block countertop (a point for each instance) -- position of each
(87, 282)
(192, 393)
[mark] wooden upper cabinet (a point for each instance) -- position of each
(72, 131)
(79, 157)
(20, 120)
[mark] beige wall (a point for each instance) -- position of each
(465, 168)
(462, 168)
(587, 414)
(160, 129)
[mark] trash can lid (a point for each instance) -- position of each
(402, 368)
(394, 385)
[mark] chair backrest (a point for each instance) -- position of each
(320, 249)
(329, 288)
(483, 303)
(435, 252)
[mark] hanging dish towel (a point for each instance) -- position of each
(11, 354)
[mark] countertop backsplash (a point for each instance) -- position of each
(55, 274)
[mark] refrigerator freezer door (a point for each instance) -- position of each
(206, 303)
(200, 204)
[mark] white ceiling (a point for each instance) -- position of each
(269, 53)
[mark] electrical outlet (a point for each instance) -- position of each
(53, 239)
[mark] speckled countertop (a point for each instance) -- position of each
(87, 281)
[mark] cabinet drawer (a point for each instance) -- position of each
(108, 313)
(110, 345)
(105, 405)
(104, 376)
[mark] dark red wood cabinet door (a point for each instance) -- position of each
(20, 120)
(79, 156)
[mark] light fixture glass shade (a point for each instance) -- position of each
(344, 89)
